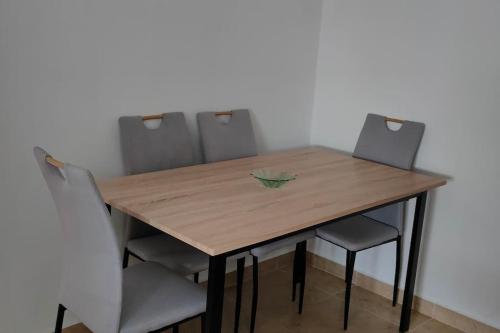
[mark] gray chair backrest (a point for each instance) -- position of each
(221, 140)
(91, 281)
(396, 148)
(146, 150)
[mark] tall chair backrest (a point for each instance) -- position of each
(91, 282)
(397, 148)
(146, 150)
(226, 139)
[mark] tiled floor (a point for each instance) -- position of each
(323, 309)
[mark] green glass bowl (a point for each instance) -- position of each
(271, 178)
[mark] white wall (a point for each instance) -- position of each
(70, 68)
(438, 62)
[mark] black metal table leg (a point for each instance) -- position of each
(240, 271)
(411, 271)
(302, 254)
(215, 293)
(295, 271)
(60, 317)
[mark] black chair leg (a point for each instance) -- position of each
(126, 255)
(396, 275)
(347, 259)
(60, 317)
(295, 272)
(350, 273)
(196, 277)
(255, 294)
(203, 323)
(240, 270)
(302, 251)
(175, 329)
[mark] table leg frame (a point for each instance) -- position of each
(215, 293)
(411, 271)
(217, 274)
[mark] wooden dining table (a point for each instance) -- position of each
(220, 209)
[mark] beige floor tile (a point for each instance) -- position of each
(325, 316)
(323, 309)
(286, 260)
(381, 307)
(432, 326)
(78, 328)
(275, 290)
(461, 322)
(324, 281)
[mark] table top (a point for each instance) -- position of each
(219, 207)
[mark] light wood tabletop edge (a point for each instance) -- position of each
(434, 182)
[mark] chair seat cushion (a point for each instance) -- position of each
(357, 233)
(155, 297)
(169, 252)
(268, 248)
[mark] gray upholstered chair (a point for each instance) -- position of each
(396, 148)
(146, 150)
(230, 135)
(143, 298)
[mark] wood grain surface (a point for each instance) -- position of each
(220, 207)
